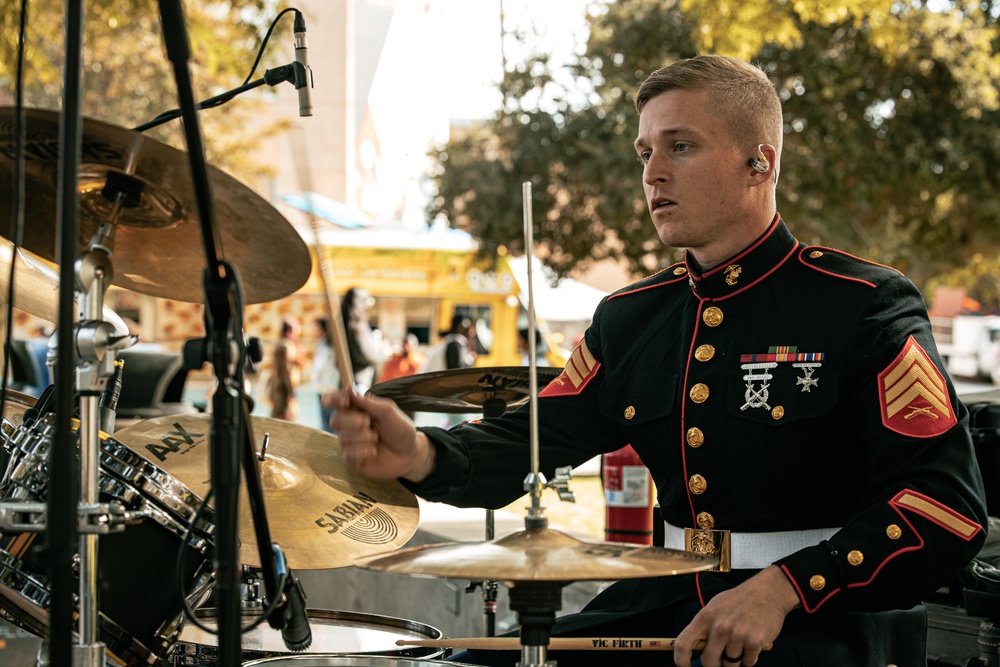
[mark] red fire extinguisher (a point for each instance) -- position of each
(628, 494)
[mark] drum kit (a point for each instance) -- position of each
(149, 514)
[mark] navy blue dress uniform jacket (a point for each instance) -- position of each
(792, 387)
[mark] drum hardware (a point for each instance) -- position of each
(133, 635)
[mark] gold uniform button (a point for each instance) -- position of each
(815, 254)
(817, 582)
(699, 393)
(855, 557)
(697, 484)
(629, 412)
(704, 352)
(705, 521)
(712, 316)
(778, 412)
(680, 271)
(695, 437)
(893, 531)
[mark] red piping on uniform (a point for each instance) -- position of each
(917, 547)
(844, 254)
(683, 398)
(647, 287)
(766, 235)
(802, 598)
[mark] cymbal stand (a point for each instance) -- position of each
(536, 603)
(492, 407)
(94, 339)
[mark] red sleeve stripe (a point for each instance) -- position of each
(937, 513)
(802, 598)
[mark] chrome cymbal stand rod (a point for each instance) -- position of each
(535, 482)
(534, 602)
(94, 339)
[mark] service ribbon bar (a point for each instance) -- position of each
(782, 353)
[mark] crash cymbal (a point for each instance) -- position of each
(463, 389)
(157, 248)
(322, 513)
(538, 554)
(36, 287)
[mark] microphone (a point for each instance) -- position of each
(293, 620)
(304, 82)
(109, 398)
(296, 633)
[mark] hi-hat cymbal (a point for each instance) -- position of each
(538, 554)
(157, 248)
(36, 287)
(463, 389)
(322, 513)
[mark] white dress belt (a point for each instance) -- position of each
(755, 551)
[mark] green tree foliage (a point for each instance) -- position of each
(891, 149)
(127, 79)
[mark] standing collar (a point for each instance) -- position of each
(749, 266)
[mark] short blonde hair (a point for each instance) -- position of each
(739, 93)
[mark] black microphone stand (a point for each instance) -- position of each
(225, 348)
(61, 523)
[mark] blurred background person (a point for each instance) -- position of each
(404, 362)
(540, 350)
(324, 375)
(286, 371)
(366, 346)
(457, 350)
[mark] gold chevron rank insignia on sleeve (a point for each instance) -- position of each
(914, 395)
(580, 368)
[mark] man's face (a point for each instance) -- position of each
(694, 177)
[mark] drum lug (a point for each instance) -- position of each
(100, 519)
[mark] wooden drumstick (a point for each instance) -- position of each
(557, 643)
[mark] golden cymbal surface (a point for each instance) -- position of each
(463, 389)
(157, 247)
(321, 512)
(538, 555)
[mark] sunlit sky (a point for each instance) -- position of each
(443, 59)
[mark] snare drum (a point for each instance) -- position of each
(333, 632)
(140, 610)
(347, 661)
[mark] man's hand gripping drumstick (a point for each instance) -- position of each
(378, 439)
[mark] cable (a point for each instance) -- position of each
(222, 99)
(181, 561)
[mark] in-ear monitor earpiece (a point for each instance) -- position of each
(760, 164)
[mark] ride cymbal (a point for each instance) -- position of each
(538, 554)
(157, 247)
(463, 389)
(321, 512)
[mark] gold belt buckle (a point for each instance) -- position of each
(710, 543)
